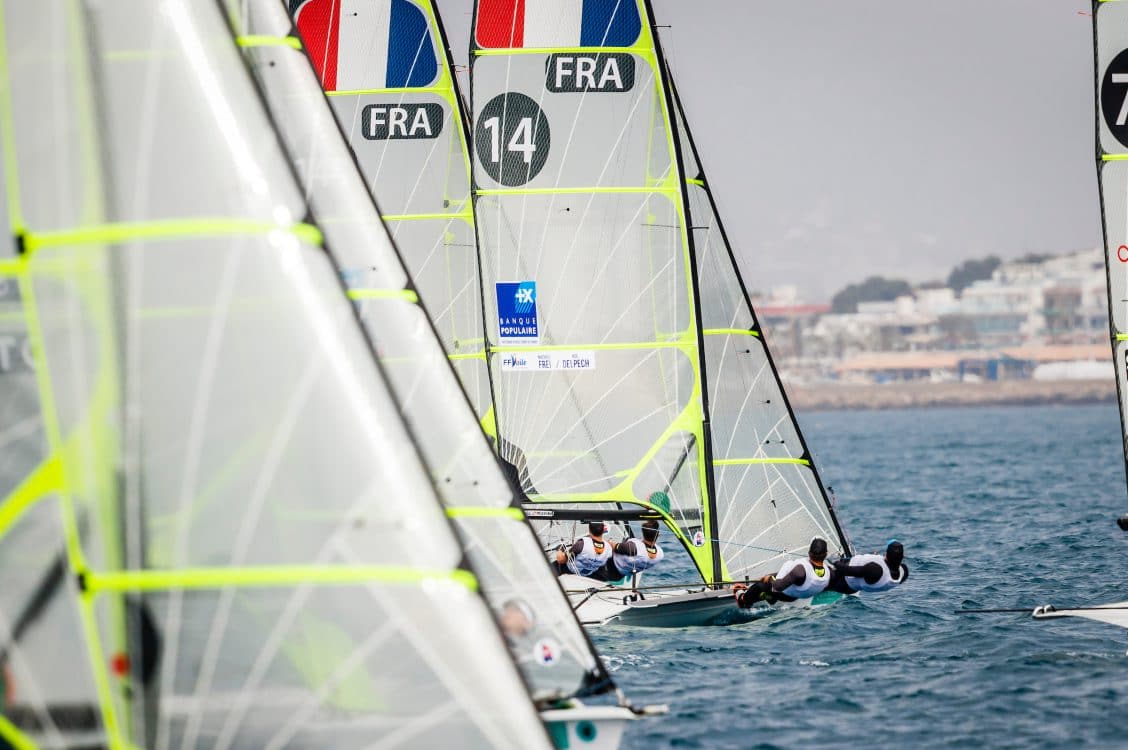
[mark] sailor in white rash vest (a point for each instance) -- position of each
(633, 555)
(587, 554)
(871, 572)
(797, 579)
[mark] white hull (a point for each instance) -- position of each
(1115, 613)
(598, 603)
(588, 727)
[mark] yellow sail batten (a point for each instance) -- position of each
(270, 576)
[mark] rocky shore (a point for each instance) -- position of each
(917, 395)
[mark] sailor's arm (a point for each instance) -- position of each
(796, 577)
(577, 547)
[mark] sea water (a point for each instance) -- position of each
(998, 507)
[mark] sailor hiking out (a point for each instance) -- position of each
(633, 555)
(871, 572)
(587, 554)
(797, 579)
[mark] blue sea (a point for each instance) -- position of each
(997, 507)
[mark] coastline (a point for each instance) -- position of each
(836, 396)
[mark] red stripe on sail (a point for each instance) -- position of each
(501, 23)
(319, 23)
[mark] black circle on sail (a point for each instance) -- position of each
(1114, 97)
(512, 138)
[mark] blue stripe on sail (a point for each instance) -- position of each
(411, 54)
(609, 23)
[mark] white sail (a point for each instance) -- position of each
(1110, 21)
(625, 359)
(552, 650)
(384, 66)
(264, 562)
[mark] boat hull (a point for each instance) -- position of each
(597, 603)
(588, 727)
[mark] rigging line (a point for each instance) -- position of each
(303, 389)
(36, 699)
(753, 546)
(431, 654)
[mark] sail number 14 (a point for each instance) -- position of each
(512, 138)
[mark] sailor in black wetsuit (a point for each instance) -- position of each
(871, 572)
(797, 579)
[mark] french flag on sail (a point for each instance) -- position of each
(531, 24)
(367, 44)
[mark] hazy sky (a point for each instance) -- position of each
(845, 139)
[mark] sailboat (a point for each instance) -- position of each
(1110, 42)
(253, 553)
(557, 659)
(629, 373)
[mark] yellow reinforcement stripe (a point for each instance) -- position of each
(474, 355)
(404, 294)
(11, 266)
(664, 188)
(464, 511)
(279, 575)
(262, 40)
(1113, 157)
(744, 461)
(126, 231)
(600, 347)
(465, 215)
(730, 332)
(1122, 337)
(13, 736)
(700, 183)
(46, 479)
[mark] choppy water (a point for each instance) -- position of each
(1005, 507)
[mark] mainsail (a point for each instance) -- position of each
(1110, 29)
(627, 365)
(385, 67)
(255, 556)
(554, 653)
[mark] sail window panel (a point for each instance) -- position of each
(50, 116)
(325, 167)
(183, 111)
(441, 258)
(267, 445)
(47, 690)
(721, 298)
(409, 147)
(577, 434)
(1111, 20)
(607, 268)
(528, 136)
(331, 666)
(434, 406)
(671, 481)
(1114, 194)
(750, 418)
(527, 602)
(776, 511)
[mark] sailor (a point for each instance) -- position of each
(587, 554)
(797, 579)
(633, 555)
(871, 572)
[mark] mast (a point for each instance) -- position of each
(699, 180)
(1110, 86)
